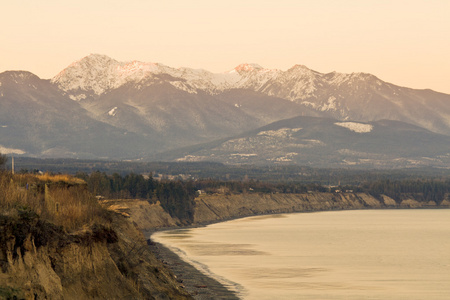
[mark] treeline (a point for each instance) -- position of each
(176, 197)
(137, 186)
(421, 189)
(211, 186)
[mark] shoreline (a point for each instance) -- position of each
(197, 284)
(255, 289)
(209, 211)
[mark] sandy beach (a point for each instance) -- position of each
(200, 286)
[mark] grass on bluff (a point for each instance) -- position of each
(59, 199)
(58, 178)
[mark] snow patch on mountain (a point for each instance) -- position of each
(356, 127)
(78, 97)
(184, 87)
(113, 111)
(330, 105)
(192, 158)
(6, 150)
(281, 133)
(286, 158)
(310, 104)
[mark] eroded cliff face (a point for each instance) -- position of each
(214, 208)
(40, 261)
(144, 215)
(221, 207)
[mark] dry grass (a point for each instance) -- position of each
(73, 207)
(60, 178)
(59, 199)
(10, 195)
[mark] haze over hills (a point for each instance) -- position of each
(322, 142)
(101, 108)
(36, 119)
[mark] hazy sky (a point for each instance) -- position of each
(403, 42)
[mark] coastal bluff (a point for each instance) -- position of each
(221, 207)
(40, 261)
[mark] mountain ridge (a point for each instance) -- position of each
(99, 107)
(325, 142)
(338, 95)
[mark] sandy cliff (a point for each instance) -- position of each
(40, 261)
(220, 207)
(213, 208)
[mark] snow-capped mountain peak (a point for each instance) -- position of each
(155, 108)
(96, 74)
(332, 93)
(299, 67)
(248, 67)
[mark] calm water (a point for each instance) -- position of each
(374, 254)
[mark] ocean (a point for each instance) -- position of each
(359, 254)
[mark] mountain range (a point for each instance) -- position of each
(326, 143)
(98, 107)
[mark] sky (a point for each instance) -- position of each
(403, 42)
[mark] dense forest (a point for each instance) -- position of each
(175, 185)
(177, 196)
(146, 187)
(421, 190)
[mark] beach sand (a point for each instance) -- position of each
(197, 284)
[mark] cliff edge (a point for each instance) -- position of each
(221, 207)
(39, 260)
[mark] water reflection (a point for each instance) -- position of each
(282, 273)
(385, 254)
(177, 234)
(221, 249)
